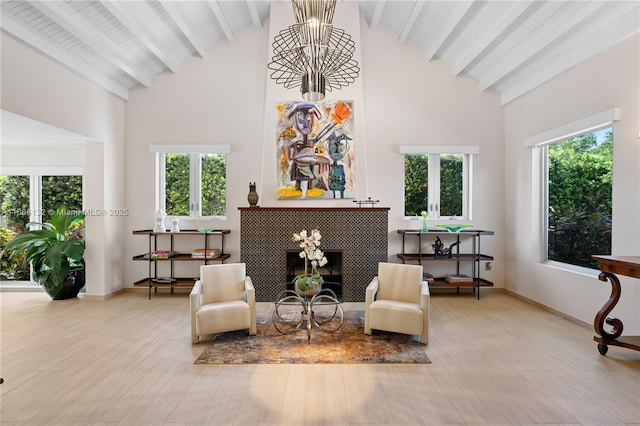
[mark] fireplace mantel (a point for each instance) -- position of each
(362, 233)
(349, 209)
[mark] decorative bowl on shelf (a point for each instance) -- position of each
(457, 227)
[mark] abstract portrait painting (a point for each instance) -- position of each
(315, 150)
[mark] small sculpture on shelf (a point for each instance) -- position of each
(159, 216)
(175, 224)
(439, 250)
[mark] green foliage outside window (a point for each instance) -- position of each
(11, 268)
(14, 201)
(416, 180)
(213, 184)
(450, 185)
(177, 184)
(15, 212)
(60, 191)
(580, 186)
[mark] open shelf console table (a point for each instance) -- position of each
(475, 256)
(202, 238)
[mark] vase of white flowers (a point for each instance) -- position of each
(310, 282)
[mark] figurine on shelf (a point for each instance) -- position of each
(439, 250)
(175, 224)
(159, 216)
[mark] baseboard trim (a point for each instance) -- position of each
(145, 290)
(551, 310)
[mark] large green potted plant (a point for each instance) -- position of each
(55, 252)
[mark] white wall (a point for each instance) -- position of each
(608, 80)
(399, 99)
(408, 101)
(217, 100)
(33, 86)
(42, 156)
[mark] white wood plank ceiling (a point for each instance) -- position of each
(507, 46)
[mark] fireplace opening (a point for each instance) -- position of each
(331, 272)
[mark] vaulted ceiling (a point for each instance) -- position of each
(507, 46)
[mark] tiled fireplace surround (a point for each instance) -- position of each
(266, 235)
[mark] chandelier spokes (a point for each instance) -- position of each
(312, 53)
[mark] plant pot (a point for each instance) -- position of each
(315, 288)
(70, 287)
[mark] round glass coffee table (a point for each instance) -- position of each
(294, 312)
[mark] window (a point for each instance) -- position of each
(437, 180)
(578, 202)
(575, 165)
(32, 198)
(192, 184)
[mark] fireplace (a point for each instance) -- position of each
(361, 235)
(331, 273)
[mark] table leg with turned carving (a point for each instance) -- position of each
(602, 318)
(627, 266)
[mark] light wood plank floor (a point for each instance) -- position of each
(127, 360)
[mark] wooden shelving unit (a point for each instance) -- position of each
(152, 280)
(475, 257)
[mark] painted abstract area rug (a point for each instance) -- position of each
(348, 345)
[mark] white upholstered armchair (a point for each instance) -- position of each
(397, 300)
(223, 299)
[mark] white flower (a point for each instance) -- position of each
(309, 242)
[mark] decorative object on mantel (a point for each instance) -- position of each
(439, 250)
(311, 282)
(312, 53)
(424, 221)
(368, 201)
(205, 230)
(253, 195)
(175, 224)
(160, 215)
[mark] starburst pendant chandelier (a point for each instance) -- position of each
(313, 54)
